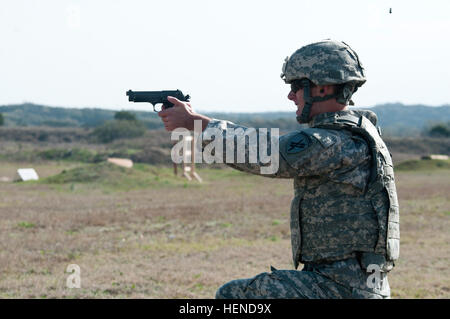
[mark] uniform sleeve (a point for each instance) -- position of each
(264, 152)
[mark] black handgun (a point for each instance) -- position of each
(156, 98)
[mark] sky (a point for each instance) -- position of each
(227, 55)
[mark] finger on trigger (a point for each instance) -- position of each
(174, 100)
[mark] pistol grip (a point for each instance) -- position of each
(167, 104)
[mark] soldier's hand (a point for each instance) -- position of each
(180, 115)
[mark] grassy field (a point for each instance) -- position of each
(143, 233)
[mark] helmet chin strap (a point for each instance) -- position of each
(309, 100)
(304, 117)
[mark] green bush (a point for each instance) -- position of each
(423, 165)
(112, 130)
(440, 130)
(125, 116)
(2, 120)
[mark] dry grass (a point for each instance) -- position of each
(184, 241)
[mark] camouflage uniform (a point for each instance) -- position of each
(344, 215)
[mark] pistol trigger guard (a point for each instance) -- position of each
(154, 109)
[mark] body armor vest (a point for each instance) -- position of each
(332, 220)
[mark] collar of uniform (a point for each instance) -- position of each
(326, 118)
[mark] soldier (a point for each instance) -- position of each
(344, 216)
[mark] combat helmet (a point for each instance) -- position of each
(327, 62)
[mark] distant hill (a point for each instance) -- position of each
(403, 120)
(395, 119)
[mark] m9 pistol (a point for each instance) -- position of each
(157, 98)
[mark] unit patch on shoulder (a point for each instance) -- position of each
(297, 143)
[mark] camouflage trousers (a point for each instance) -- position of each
(337, 280)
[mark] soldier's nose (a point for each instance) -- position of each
(291, 96)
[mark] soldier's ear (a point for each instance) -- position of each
(327, 89)
(323, 90)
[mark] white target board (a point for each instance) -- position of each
(27, 174)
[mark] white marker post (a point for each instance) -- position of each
(188, 163)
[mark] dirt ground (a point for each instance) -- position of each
(184, 241)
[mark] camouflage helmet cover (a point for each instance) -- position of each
(326, 62)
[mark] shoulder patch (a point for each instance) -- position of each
(297, 143)
(325, 138)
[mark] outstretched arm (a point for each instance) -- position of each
(264, 152)
(246, 149)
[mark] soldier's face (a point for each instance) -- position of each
(297, 98)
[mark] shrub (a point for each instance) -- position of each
(440, 130)
(112, 130)
(124, 116)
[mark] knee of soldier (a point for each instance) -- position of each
(230, 290)
(220, 293)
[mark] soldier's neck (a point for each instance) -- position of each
(324, 112)
(327, 107)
